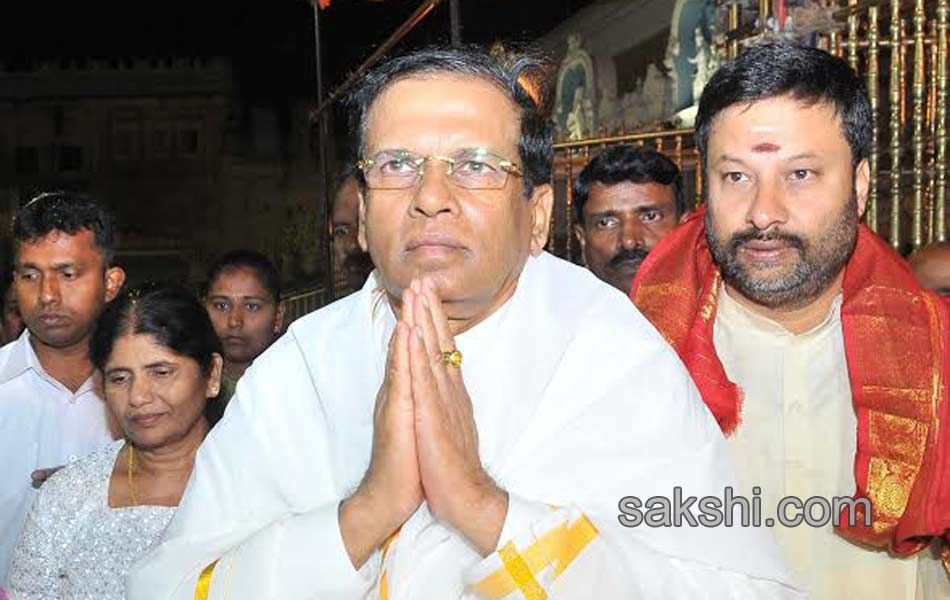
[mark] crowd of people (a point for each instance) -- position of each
(165, 444)
(120, 386)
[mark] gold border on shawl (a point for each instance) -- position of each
(897, 458)
(203, 587)
(383, 577)
(521, 574)
(938, 353)
(708, 309)
(558, 547)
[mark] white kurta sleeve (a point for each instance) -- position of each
(306, 559)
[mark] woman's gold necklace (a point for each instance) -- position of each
(131, 464)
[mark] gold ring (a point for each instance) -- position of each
(453, 358)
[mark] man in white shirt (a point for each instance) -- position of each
(823, 360)
(50, 413)
(356, 461)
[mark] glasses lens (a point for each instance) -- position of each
(392, 170)
(478, 170)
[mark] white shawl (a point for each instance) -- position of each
(578, 402)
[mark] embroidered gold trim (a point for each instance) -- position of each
(203, 587)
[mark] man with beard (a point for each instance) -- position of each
(824, 362)
(50, 413)
(243, 301)
(625, 201)
(931, 265)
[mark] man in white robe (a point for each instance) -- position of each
(361, 458)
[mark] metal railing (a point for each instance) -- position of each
(898, 46)
(302, 302)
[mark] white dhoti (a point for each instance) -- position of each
(578, 403)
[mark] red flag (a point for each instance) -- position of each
(324, 3)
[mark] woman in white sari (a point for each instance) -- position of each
(160, 363)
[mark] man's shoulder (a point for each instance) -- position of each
(594, 311)
(569, 286)
(13, 361)
(607, 346)
(338, 313)
(312, 338)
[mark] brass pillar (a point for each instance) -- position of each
(735, 18)
(895, 100)
(917, 120)
(873, 84)
(940, 184)
(853, 36)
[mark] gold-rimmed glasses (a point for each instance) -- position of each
(469, 168)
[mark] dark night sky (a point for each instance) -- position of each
(270, 41)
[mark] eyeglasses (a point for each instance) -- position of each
(470, 168)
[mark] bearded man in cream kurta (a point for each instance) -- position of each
(824, 362)
(466, 424)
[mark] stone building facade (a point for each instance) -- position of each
(629, 64)
(190, 169)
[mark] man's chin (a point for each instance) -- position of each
(767, 273)
(56, 337)
(769, 292)
(445, 275)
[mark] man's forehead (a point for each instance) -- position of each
(778, 125)
(630, 193)
(421, 85)
(441, 110)
(59, 246)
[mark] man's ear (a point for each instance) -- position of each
(579, 233)
(862, 185)
(115, 277)
(542, 202)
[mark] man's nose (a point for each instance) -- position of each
(49, 290)
(768, 205)
(434, 193)
(631, 233)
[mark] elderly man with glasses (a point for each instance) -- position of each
(465, 425)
